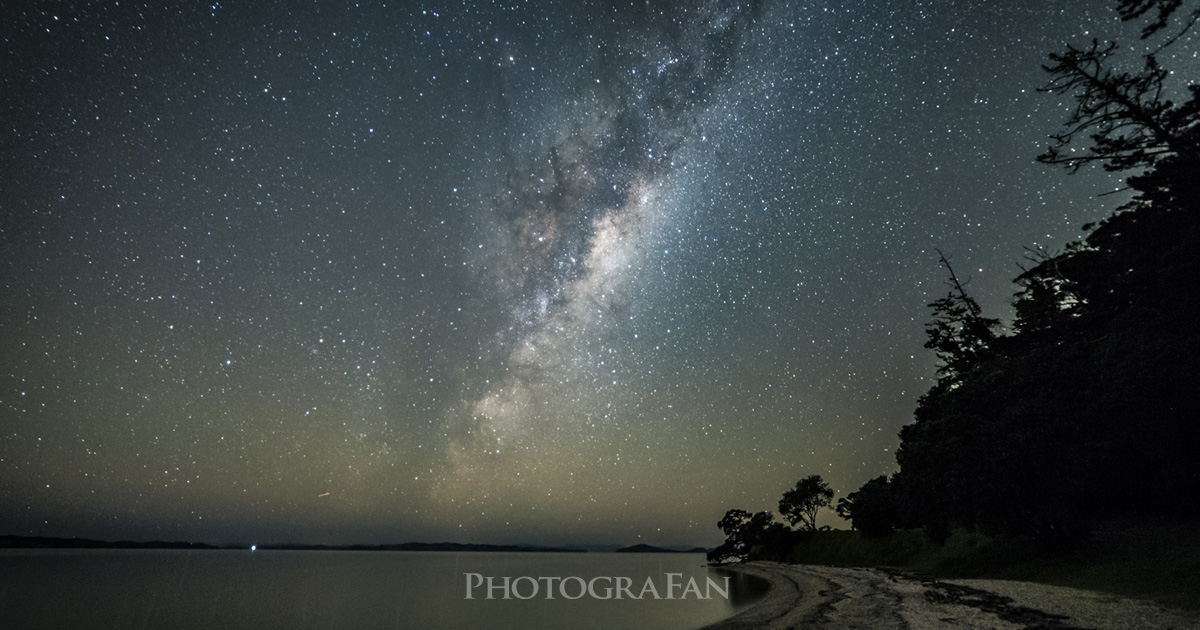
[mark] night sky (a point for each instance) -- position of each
(498, 272)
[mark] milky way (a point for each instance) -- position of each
(546, 272)
(574, 225)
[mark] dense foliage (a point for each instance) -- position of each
(758, 536)
(1089, 408)
(801, 504)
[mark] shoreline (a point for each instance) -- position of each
(841, 598)
(793, 598)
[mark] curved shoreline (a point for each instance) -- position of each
(840, 598)
(794, 597)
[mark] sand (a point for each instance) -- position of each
(832, 598)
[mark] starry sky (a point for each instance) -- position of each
(539, 272)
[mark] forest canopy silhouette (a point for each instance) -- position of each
(1088, 408)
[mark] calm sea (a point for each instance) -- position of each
(268, 590)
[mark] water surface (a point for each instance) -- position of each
(269, 590)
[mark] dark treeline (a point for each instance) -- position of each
(1090, 407)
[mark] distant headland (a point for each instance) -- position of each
(652, 549)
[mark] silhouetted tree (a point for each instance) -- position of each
(747, 535)
(1136, 9)
(722, 553)
(1047, 297)
(871, 509)
(733, 524)
(801, 503)
(1125, 115)
(959, 334)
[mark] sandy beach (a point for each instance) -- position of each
(831, 598)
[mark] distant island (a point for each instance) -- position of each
(44, 542)
(653, 549)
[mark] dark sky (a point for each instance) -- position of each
(498, 272)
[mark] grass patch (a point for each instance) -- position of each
(1159, 562)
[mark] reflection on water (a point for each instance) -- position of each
(744, 589)
(266, 590)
